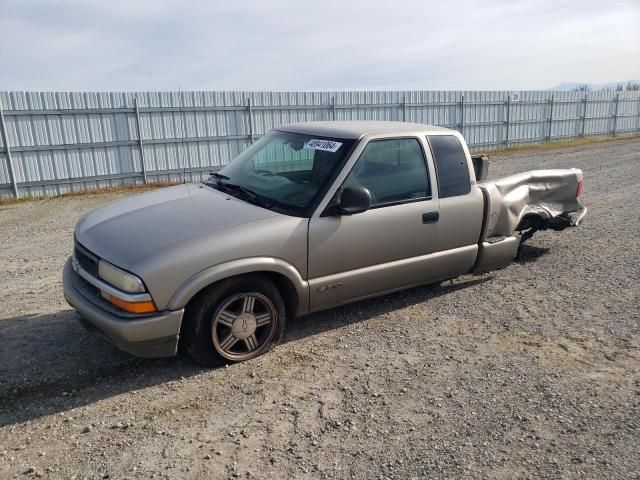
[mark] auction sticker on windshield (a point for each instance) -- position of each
(324, 145)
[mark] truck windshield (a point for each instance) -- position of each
(284, 171)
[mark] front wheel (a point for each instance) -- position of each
(234, 320)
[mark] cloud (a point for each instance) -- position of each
(302, 45)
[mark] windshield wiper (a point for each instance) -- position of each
(252, 196)
(249, 194)
(218, 176)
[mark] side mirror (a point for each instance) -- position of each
(354, 200)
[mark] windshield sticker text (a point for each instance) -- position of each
(324, 145)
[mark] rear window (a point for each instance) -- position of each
(451, 165)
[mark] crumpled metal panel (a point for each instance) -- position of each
(547, 193)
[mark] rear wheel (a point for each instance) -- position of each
(234, 320)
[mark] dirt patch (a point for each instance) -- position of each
(105, 191)
(529, 372)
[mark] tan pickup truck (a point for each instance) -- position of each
(311, 216)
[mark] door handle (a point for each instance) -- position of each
(431, 217)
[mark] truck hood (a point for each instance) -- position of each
(128, 230)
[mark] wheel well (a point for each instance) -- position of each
(287, 290)
(282, 283)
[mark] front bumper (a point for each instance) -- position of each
(154, 335)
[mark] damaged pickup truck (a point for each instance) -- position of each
(311, 216)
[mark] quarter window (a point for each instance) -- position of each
(392, 170)
(452, 169)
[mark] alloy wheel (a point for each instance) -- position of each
(243, 326)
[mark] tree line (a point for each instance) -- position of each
(633, 87)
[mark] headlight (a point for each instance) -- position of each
(119, 278)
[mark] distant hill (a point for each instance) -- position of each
(570, 86)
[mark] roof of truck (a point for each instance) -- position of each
(356, 129)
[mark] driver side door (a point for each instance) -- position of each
(387, 247)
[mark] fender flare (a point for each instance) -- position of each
(214, 274)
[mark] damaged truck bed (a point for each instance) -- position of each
(519, 205)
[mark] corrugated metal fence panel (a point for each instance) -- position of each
(184, 137)
(628, 119)
(45, 146)
(4, 171)
(484, 117)
(599, 113)
(305, 107)
(63, 141)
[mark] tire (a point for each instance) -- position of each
(227, 322)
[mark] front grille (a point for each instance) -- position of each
(87, 260)
(89, 263)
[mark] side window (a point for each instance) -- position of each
(393, 170)
(451, 166)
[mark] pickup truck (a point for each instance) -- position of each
(311, 216)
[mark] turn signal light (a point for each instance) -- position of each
(131, 307)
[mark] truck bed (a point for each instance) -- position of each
(542, 198)
(519, 205)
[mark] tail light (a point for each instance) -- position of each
(579, 189)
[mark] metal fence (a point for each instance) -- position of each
(55, 142)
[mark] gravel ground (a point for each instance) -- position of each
(532, 371)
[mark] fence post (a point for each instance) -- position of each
(462, 115)
(333, 107)
(250, 113)
(550, 117)
(142, 161)
(404, 109)
(506, 141)
(615, 113)
(584, 114)
(7, 149)
(181, 146)
(638, 127)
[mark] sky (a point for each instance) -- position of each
(139, 45)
